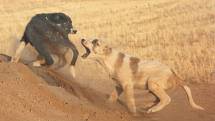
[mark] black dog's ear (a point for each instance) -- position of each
(95, 42)
(57, 17)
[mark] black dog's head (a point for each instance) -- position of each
(63, 21)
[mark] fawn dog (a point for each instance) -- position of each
(131, 72)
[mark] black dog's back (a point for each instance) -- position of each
(47, 25)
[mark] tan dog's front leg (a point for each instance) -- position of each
(129, 95)
(115, 94)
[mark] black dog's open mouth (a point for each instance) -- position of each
(85, 55)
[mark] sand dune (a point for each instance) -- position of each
(28, 93)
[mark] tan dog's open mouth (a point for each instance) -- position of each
(87, 53)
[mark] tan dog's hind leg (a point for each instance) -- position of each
(129, 95)
(18, 52)
(161, 94)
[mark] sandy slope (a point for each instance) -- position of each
(39, 96)
(25, 96)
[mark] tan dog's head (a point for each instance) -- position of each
(95, 48)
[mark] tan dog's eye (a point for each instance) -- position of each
(107, 50)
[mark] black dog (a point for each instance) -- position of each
(48, 34)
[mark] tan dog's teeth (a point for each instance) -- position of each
(72, 71)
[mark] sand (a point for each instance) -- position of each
(40, 94)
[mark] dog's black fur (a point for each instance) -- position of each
(4, 58)
(48, 34)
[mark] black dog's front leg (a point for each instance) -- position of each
(37, 41)
(44, 53)
(75, 54)
(74, 59)
(66, 42)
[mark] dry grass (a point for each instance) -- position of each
(180, 33)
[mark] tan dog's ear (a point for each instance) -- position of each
(107, 50)
(95, 42)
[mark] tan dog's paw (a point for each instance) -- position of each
(152, 110)
(149, 111)
(36, 64)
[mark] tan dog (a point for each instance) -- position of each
(131, 72)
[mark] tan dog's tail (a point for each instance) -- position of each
(190, 98)
(181, 83)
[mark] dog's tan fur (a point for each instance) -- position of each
(131, 72)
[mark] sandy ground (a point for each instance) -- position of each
(38, 94)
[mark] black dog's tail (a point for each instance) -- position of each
(5, 58)
(24, 39)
